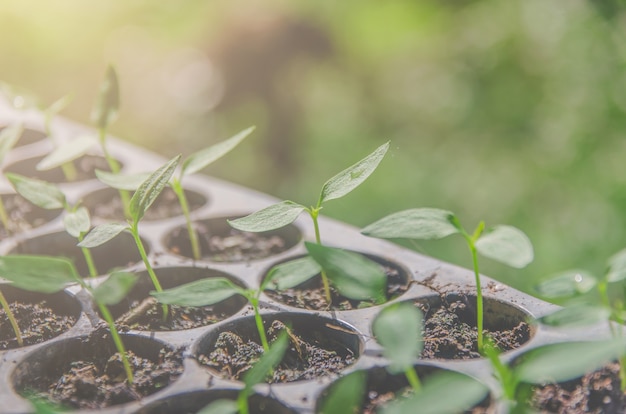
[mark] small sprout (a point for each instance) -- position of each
(505, 244)
(286, 212)
(48, 196)
(47, 274)
(142, 199)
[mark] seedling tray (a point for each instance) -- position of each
(426, 279)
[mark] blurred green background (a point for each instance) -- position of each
(511, 111)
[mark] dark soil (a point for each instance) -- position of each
(37, 324)
(230, 246)
(597, 392)
(310, 295)
(23, 215)
(101, 382)
(146, 315)
(233, 356)
(450, 331)
(165, 206)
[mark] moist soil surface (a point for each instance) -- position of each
(23, 215)
(230, 246)
(311, 294)
(101, 381)
(450, 331)
(165, 206)
(232, 356)
(146, 315)
(597, 392)
(37, 323)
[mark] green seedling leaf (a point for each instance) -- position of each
(353, 275)
(507, 245)
(149, 190)
(77, 222)
(129, 182)
(346, 395)
(268, 361)
(220, 407)
(576, 315)
(67, 152)
(398, 328)
(270, 218)
(8, 137)
(199, 160)
(350, 178)
(617, 267)
(418, 223)
(108, 101)
(566, 285)
(291, 274)
(57, 106)
(102, 234)
(38, 273)
(566, 361)
(201, 292)
(40, 193)
(435, 396)
(114, 288)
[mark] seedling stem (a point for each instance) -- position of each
(119, 345)
(14, 325)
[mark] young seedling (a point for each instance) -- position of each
(191, 165)
(551, 363)
(286, 212)
(48, 196)
(8, 137)
(259, 371)
(505, 244)
(51, 274)
(63, 154)
(588, 299)
(142, 199)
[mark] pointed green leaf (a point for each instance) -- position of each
(130, 182)
(270, 218)
(418, 223)
(200, 159)
(102, 234)
(40, 193)
(261, 369)
(398, 328)
(617, 267)
(67, 152)
(77, 222)
(291, 274)
(201, 292)
(435, 396)
(346, 395)
(55, 108)
(352, 274)
(114, 288)
(350, 178)
(221, 406)
(566, 361)
(8, 137)
(507, 245)
(107, 102)
(566, 285)
(38, 273)
(150, 189)
(577, 315)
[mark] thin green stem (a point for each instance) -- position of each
(479, 292)
(4, 218)
(134, 230)
(242, 402)
(93, 272)
(606, 301)
(193, 236)
(69, 171)
(413, 378)
(254, 301)
(314, 212)
(12, 321)
(115, 168)
(119, 345)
